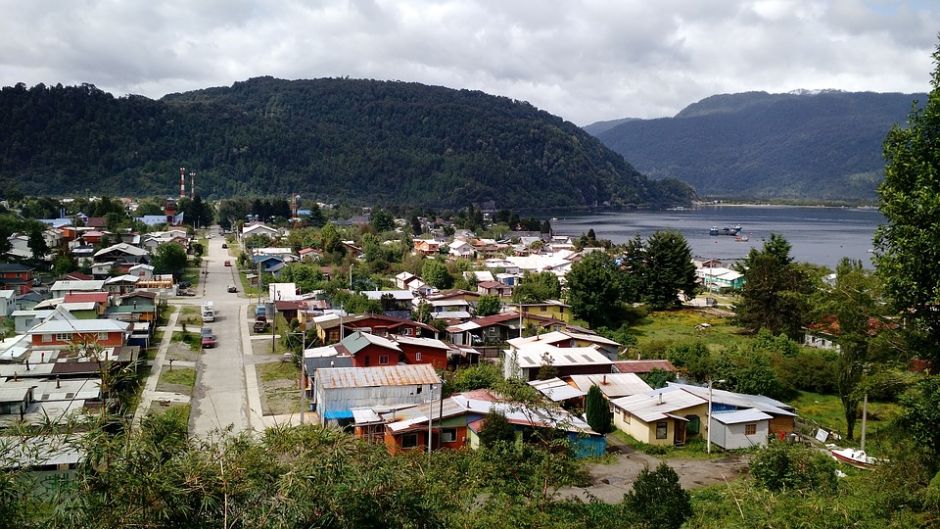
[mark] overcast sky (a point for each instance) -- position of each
(584, 60)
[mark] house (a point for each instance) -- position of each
(427, 247)
(28, 300)
(395, 303)
(143, 271)
(825, 333)
(494, 288)
(569, 338)
(310, 254)
(328, 326)
(486, 331)
(269, 264)
(612, 385)
(121, 284)
(549, 308)
(402, 279)
(462, 249)
(16, 277)
(282, 291)
(642, 367)
(782, 415)
(61, 329)
(449, 308)
(7, 302)
(557, 390)
(25, 319)
(61, 288)
(122, 253)
(259, 229)
(524, 360)
(98, 223)
(719, 278)
(339, 390)
(423, 351)
(479, 275)
(290, 309)
(664, 417)
(745, 428)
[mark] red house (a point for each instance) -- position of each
(14, 276)
(66, 332)
(370, 350)
(423, 351)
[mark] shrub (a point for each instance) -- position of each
(791, 467)
(598, 411)
(476, 377)
(658, 499)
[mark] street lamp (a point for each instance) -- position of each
(708, 425)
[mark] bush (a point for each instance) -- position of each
(476, 377)
(790, 467)
(598, 411)
(658, 499)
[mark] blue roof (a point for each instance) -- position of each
(338, 414)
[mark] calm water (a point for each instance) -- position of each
(818, 235)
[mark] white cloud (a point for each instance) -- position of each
(584, 60)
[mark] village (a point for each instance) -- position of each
(276, 322)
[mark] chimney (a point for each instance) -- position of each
(42, 356)
(16, 377)
(604, 380)
(58, 383)
(27, 364)
(660, 397)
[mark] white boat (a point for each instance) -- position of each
(856, 458)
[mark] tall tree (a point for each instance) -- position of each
(536, 287)
(170, 258)
(593, 290)
(669, 269)
(488, 305)
(597, 411)
(434, 272)
(907, 245)
(37, 243)
(775, 290)
(381, 220)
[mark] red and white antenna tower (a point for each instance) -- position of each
(192, 184)
(182, 182)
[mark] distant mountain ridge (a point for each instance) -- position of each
(804, 144)
(364, 141)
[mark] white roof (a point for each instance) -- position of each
(81, 305)
(658, 404)
(376, 340)
(450, 302)
(36, 313)
(321, 352)
(401, 295)
(556, 389)
(126, 278)
(534, 356)
(365, 415)
(282, 291)
(424, 342)
(7, 294)
(539, 263)
(66, 326)
(612, 385)
(560, 336)
(123, 248)
(739, 416)
(404, 275)
(91, 285)
(452, 315)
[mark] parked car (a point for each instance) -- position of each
(209, 341)
(232, 289)
(206, 331)
(228, 263)
(260, 326)
(184, 284)
(185, 292)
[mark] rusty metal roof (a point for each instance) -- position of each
(365, 377)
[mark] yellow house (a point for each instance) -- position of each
(667, 416)
(550, 308)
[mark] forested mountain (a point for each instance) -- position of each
(337, 139)
(801, 145)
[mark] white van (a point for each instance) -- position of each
(208, 312)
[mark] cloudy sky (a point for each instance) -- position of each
(584, 60)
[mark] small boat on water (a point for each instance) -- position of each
(856, 458)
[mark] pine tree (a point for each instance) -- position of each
(598, 411)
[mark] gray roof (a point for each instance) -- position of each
(556, 389)
(365, 377)
(739, 400)
(612, 385)
(63, 326)
(89, 285)
(739, 416)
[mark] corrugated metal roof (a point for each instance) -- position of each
(643, 366)
(738, 400)
(364, 377)
(556, 389)
(365, 416)
(359, 340)
(739, 416)
(612, 385)
(534, 355)
(63, 326)
(656, 404)
(421, 342)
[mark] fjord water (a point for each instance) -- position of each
(818, 235)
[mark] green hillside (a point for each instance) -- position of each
(336, 139)
(757, 145)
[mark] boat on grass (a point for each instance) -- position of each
(855, 458)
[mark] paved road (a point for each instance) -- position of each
(220, 398)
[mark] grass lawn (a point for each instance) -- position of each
(192, 339)
(680, 325)
(693, 449)
(192, 274)
(279, 390)
(178, 410)
(826, 411)
(190, 315)
(183, 376)
(163, 314)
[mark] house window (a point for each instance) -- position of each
(626, 417)
(543, 309)
(750, 429)
(407, 331)
(417, 357)
(662, 427)
(102, 336)
(47, 338)
(63, 337)
(409, 440)
(383, 360)
(365, 361)
(448, 435)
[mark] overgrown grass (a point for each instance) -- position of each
(279, 387)
(190, 315)
(177, 410)
(271, 371)
(183, 376)
(192, 274)
(163, 314)
(826, 411)
(667, 327)
(192, 339)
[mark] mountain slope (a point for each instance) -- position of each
(339, 139)
(824, 145)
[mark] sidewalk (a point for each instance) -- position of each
(150, 393)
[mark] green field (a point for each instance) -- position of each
(826, 411)
(681, 325)
(184, 376)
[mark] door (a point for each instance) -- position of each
(679, 436)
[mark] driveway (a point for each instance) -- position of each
(220, 398)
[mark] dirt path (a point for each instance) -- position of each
(611, 481)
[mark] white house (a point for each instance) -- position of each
(740, 428)
(337, 390)
(259, 229)
(7, 297)
(460, 248)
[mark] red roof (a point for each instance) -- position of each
(290, 305)
(492, 284)
(78, 276)
(84, 297)
(496, 319)
(96, 222)
(643, 366)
